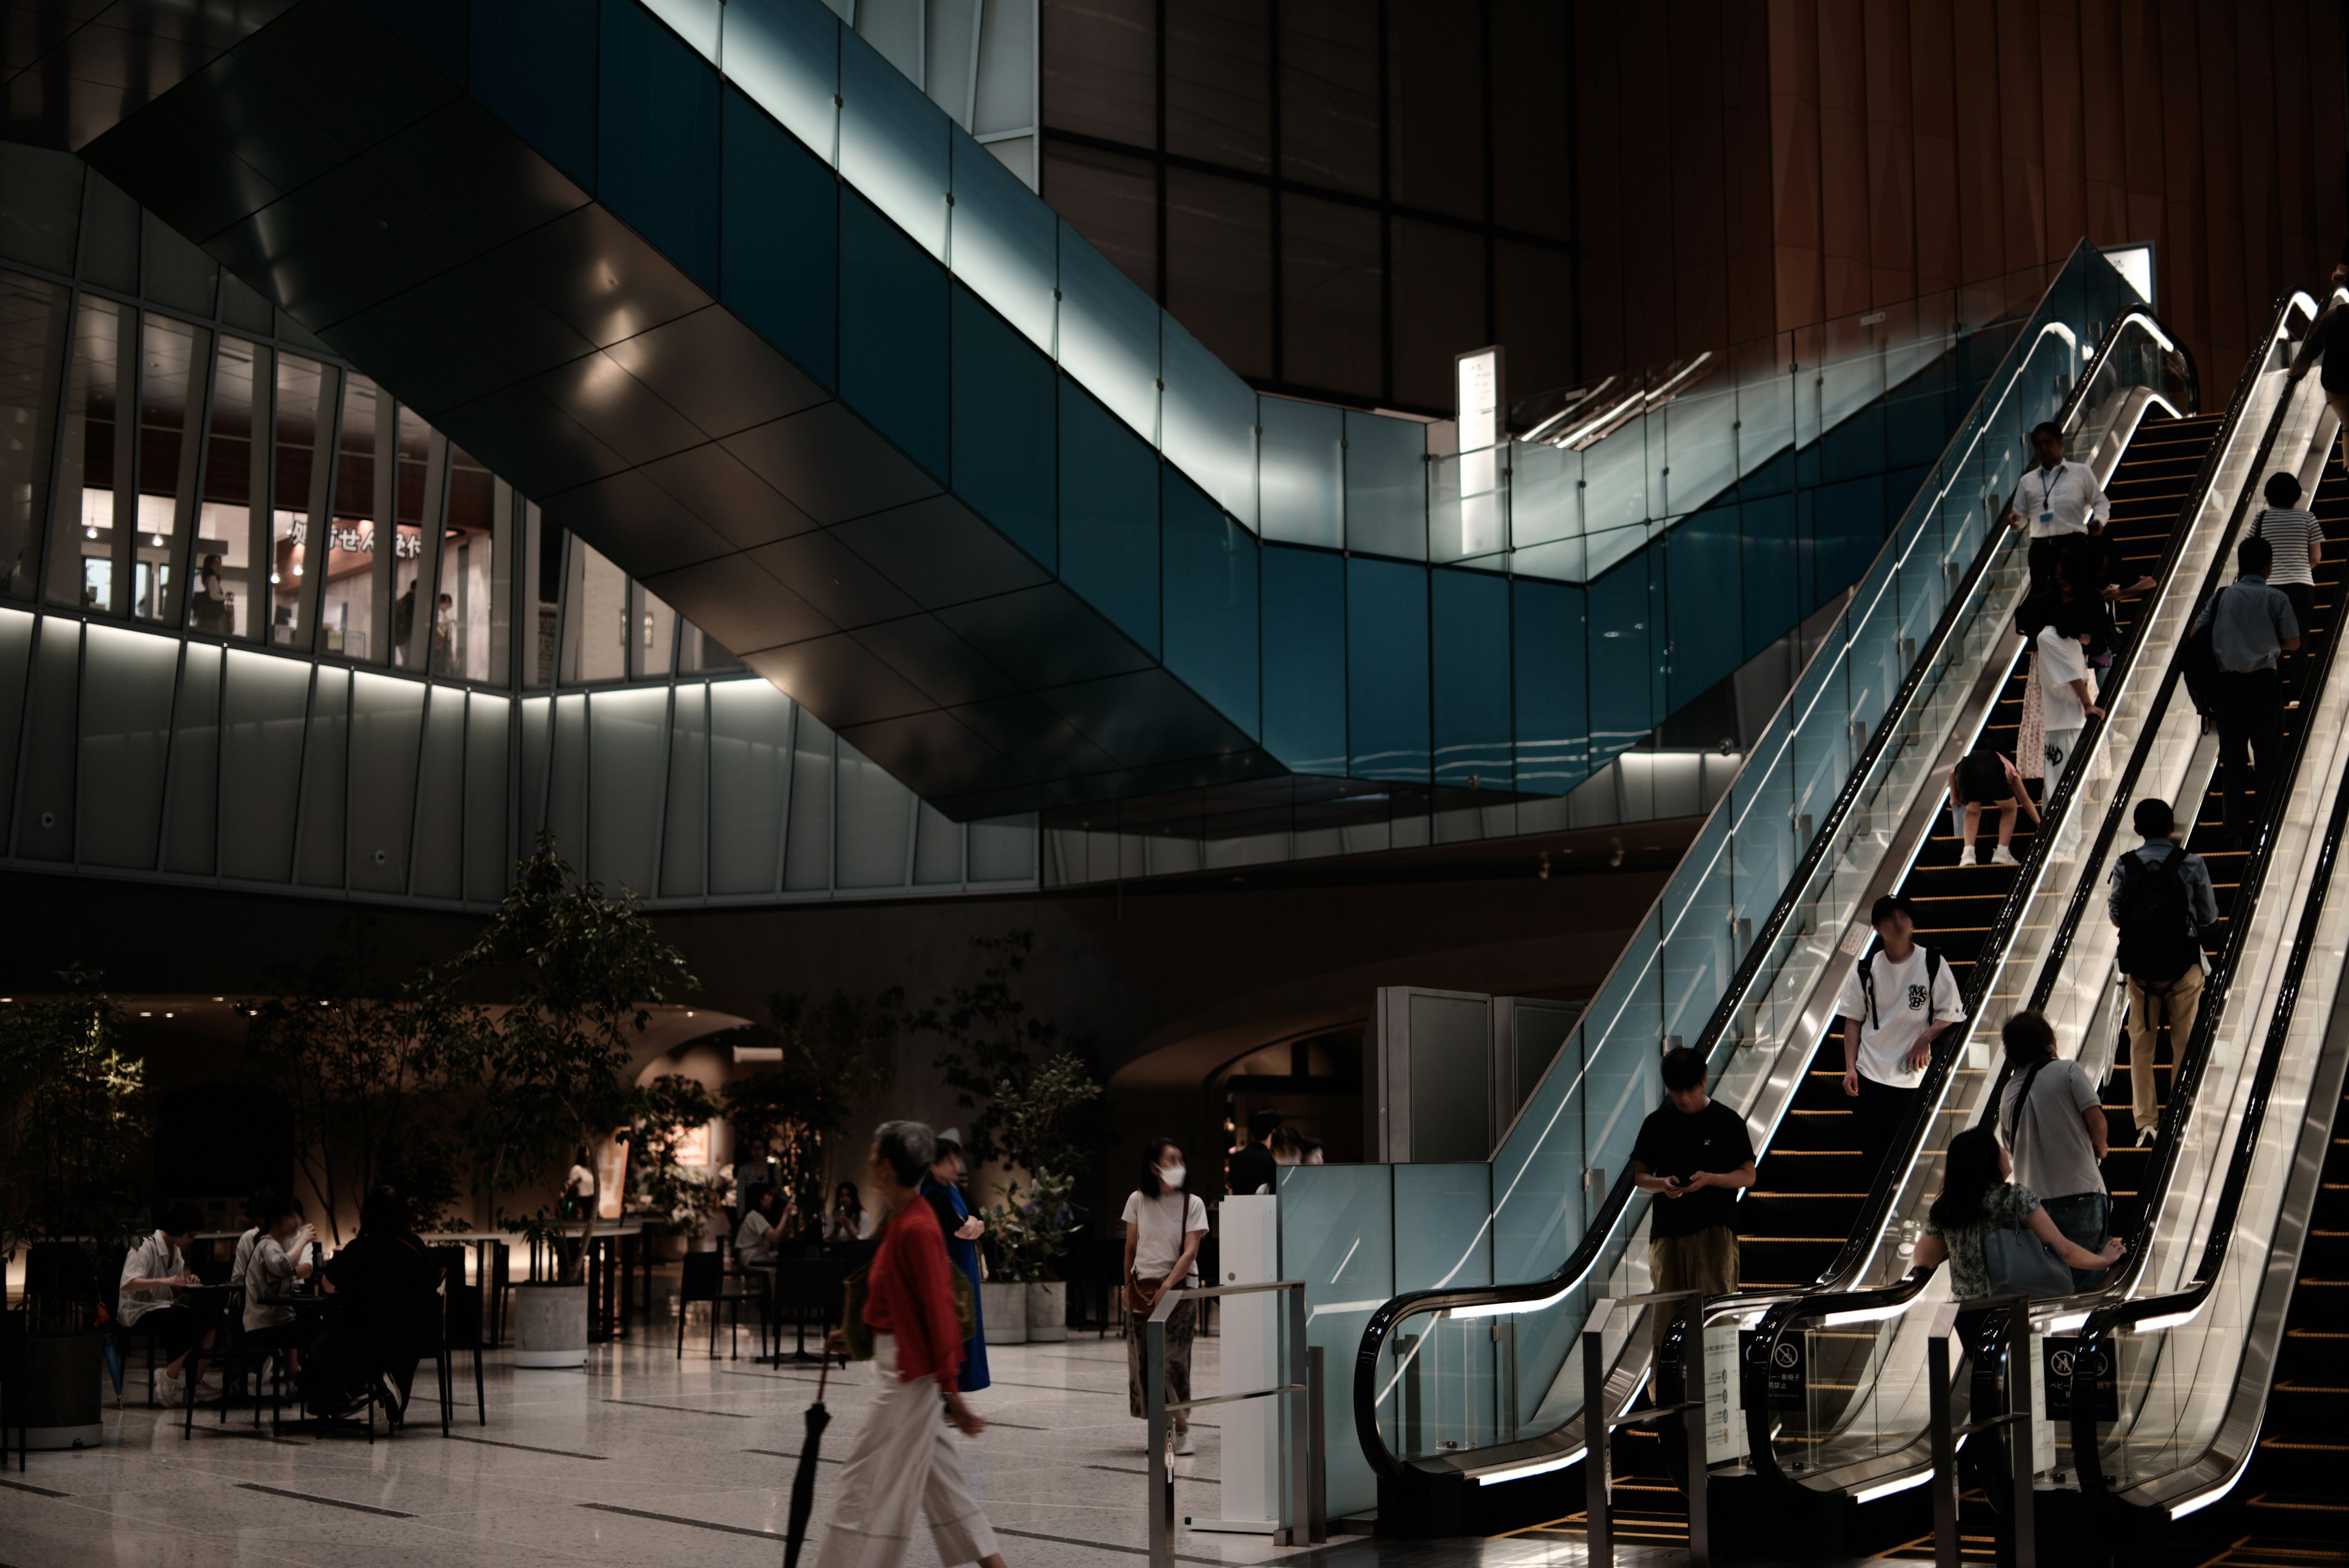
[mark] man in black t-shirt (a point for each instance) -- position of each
(1252, 1165)
(1694, 1155)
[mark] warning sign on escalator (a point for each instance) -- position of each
(1789, 1382)
(2059, 1364)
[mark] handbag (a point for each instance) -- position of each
(2018, 1261)
(859, 1333)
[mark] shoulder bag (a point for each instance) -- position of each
(2015, 1259)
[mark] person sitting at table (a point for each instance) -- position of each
(279, 1258)
(386, 1258)
(578, 1188)
(849, 1222)
(254, 1206)
(763, 1227)
(156, 1268)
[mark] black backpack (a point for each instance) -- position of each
(1868, 982)
(2158, 935)
(2198, 661)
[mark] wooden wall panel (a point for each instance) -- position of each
(1746, 162)
(1891, 156)
(1698, 266)
(1932, 86)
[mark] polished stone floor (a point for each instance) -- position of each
(642, 1460)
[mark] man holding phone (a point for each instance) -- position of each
(1693, 1154)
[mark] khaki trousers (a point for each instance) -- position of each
(904, 1461)
(1705, 1261)
(2148, 1001)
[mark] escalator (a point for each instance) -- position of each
(1496, 1365)
(1857, 1433)
(1797, 1218)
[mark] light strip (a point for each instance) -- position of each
(2202, 1500)
(2169, 1319)
(1538, 1468)
(1867, 1314)
(1887, 1488)
(1503, 1309)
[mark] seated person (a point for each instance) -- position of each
(280, 1256)
(1988, 778)
(763, 1228)
(156, 1268)
(385, 1259)
(848, 1220)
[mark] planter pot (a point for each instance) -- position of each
(550, 1325)
(1048, 1311)
(1003, 1312)
(64, 1377)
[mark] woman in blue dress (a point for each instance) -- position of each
(943, 1188)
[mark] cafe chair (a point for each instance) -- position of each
(707, 1279)
(461, 1329)
(12, 1403)
(810, 1289)
(234, 1357)
(394, 1327)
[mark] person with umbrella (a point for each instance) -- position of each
(903, 1459)
(962, 1229)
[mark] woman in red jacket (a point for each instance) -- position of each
(903, 1459)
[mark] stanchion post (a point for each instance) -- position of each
(1694, 1422)
(1594, 1434)
(1296, 1504)
(2020, 1408)
(1316, 1448)
(1153, 1396)
(1945, 1448)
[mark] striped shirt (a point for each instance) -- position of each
(2289, 531)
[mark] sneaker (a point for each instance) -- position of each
(2145, 1136)
(1966, 857)
(2003, 856)
(170, 1390)
(1183, 1439)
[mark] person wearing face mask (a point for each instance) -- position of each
(942, 1189)
(1164, 1224)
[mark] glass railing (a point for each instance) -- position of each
(1829, 773)
(1860, 1422)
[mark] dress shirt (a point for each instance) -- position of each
(2068, 493)
(2252, 622)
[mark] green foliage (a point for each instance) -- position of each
(1028, 1232)
(362, 1064)
(551, 1067)
(838, 1055)
(668, 1109)
(996, 1052)
(73, 1124)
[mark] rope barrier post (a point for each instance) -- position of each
(2018, 1410)
(1594, 1434)
(1945, 1447)
(1297, 1433)
(1153, 1395)
(1316, 1449)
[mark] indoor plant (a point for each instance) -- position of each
(678, 1198)
(73, 1127)
(581, 973)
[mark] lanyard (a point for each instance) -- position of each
(2047, 487)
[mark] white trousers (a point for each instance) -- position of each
(904, 1460)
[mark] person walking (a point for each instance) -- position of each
(2322, 336)
(2251, 626)
(1251, 1166)
(2054, 501)
(1988, 777)
(903, 1461)
(2068, 694)
(2161, 900)
(2053, 1127)
(942, 1189)
(1894, 1005)
(2297, 540)
(1977, 1198)
(1164, 1224)
(1693, 1153)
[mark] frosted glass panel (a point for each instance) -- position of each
(566, 780)
(937, 847)
(695, 21)
(749, 741)
(892, 144)
(1002, 240)
(807, 862)
(1304, 471)
(685, 819)
(488, 720)
(262, 723)
(1386, 486)
(126, 725)
(1109, 334)
(1210, 415)
(626, 739)
(874, 814)
(189, 817)
(785, 54)
(441, 798)
(1003, 850)
(319, 855)
(1337, 1234)
(387, 733)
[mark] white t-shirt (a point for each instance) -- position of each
(1901, 1013)
(2062, 660)
(153, 1259)
(755, 1242)
(1158, 1225)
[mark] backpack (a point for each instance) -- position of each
(2198, 661)
(1868, 982)
(2158, 935)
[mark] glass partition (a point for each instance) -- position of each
(1681, 966)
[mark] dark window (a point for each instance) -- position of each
(1110, 200)
(1219, 266)
(1101, 71)
(1328, 95)
(1435, 111)
(1332, 311)
(1218, 84)
(1439, 308)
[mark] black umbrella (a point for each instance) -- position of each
(804, 1483)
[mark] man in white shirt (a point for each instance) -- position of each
(2065, 699)
(2054, 500)
(1894, 1005)
(153, 1270)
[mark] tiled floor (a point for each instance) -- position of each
(641, 1459)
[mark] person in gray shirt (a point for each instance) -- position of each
(2250, 624)
(2053, 1126)
(2161, 901)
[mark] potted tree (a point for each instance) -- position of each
(581, 973)
(1031, 1113)
(73, 1125)
(837, 1055)
(677, 1198)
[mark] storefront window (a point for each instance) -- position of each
(170, 384)
(597, 640)
(81, 559)
(223, 598)
(305, 392)
(417, 624)
(468, 639)
(653, 633)
(347, 601)
(33, 324)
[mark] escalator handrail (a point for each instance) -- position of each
(1603, 1221)
(1884, 1300)
(2113, 1317)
